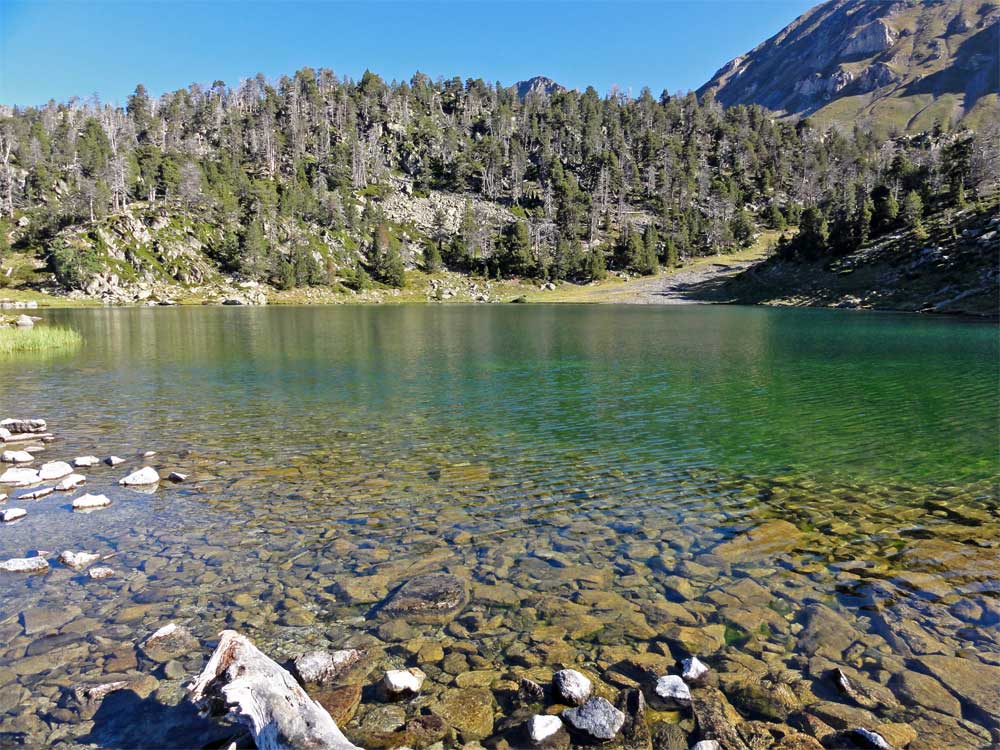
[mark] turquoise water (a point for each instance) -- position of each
(327, 445)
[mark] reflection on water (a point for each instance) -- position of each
(590, 472)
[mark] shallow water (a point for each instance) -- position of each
(579, 467)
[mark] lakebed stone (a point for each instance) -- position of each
(468, 710)
(35, 564)
(597, 719)
(326, 666)
(435, 598)
(403, 683)
(169, 642)
(90, 502)
(143, 476)
(571, 687)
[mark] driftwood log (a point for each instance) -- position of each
(256, 691)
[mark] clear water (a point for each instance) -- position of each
(325, 444)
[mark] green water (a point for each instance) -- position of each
(325, 444)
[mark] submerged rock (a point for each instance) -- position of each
(54, 470)
(36, 494)
(716, 718)
(547, 732)
(78, 560)
(435, 598)
(169, 642)
(145, 475)
(468, 710)
(100, 572)
(24, 565)
(571, 687)
(694, 672)
(596, 719)
(90, 502)
(767, 540)
(972, 681)
(176, 476)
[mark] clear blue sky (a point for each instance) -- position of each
(61, 49)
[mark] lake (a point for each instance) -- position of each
(779, 492)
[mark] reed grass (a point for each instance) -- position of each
(37, 339)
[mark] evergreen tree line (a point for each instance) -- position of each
(592, 182)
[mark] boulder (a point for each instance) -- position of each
(596, 719)
(972, 681)
(145, 475)
(85, 461)
(435, 598)
(17, 426)
(918, 689)
(694, 672)
(716, 718)
(571, 687)
(16, 457)
(24, 321)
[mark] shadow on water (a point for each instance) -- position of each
(129, 722)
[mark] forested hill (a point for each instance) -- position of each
(885, 64)
(317, 180)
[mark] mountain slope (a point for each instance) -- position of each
(904, 65)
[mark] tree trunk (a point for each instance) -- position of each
(259, 693)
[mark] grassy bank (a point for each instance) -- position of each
(38, 339)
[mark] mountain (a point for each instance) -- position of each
(537, 85)
(902, 65)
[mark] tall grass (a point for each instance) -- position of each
(37, 339)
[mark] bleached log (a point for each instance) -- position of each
(259, 693)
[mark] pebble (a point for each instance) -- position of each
(403, 683)
(145, 475)
(9, 515)
(88, 502)
(149, 454)
(176, 476)
(571, 687)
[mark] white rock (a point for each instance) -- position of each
(16, 457)
(19, 476)
(99, 573)
(694, 670)
(145, 475)
(78, 560)
(4, 434)
(12, 514)
(572, 687)
(33, 449)
(149, 454)
(36, 494)
(84, 461)
(23, 425)
(25, 565)
(706, 745)
(3, 496)
(71, 482)
(176, 476)
(114, 460)
(403, 682)
(89, 502)
(323, 666)
(23, 321)
(540, 728)
(54, 470)
(672, 688)
(163, 632)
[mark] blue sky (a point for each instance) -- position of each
(61, 49)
